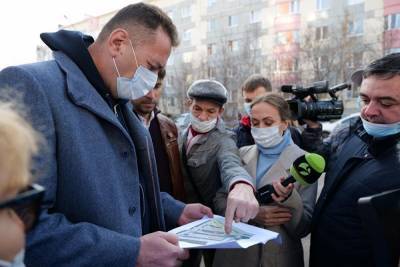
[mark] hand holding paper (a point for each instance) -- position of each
(210, 233)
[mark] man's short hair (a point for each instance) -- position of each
(147, 16)
(255, 81)
(385, 68)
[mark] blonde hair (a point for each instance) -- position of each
(18, 143)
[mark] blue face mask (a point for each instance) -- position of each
(140, 85)
(247, 108)
(381, 130)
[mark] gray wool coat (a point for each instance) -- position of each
(301, 202)
(213, 163)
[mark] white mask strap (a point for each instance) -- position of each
(134, 54)
(115, 65)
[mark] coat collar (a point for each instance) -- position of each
(83, 94)
(250, 154)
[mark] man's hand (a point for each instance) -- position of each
(282, 193)
(242, 205)
(160, 249)
(312, 124)
(273, 215)
(193, 212)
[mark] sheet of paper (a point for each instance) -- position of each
(210, 233)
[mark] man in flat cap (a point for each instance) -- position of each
(210, 156)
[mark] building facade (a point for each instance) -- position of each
(288, 41)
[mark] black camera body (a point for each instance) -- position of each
(316, 110)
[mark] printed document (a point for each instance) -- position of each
(210, 233)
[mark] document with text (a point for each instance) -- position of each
(210, 233)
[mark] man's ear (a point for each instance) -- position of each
(188, 102)
(221, 110)
(286, 124)
(115, 42)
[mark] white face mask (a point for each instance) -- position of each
(267, 137)
(18, 260)
(140, 85)
(202, 126)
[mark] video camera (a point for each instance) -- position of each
(316, 110)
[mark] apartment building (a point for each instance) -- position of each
(289, 41)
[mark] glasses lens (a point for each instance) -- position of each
(28, 213)
(27, 205)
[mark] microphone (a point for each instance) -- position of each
(306, 170)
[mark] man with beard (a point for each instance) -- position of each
(164, 135)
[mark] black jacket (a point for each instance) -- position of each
(357, 166)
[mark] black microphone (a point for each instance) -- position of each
(306, 170)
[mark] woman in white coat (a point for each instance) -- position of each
(268, 161)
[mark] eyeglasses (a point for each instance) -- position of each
(26, 205)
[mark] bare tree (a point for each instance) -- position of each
(333, 53)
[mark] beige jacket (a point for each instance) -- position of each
(301, 202)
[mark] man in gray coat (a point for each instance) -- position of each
(210, 156)
(103, 206)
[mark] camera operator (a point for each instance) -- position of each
(254, 87)
(362, 159)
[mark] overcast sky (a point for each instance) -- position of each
(21, 22)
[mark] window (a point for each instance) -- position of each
(296, 37)
(210, 3)
(211, 49)
(187, 57)
(283, 9)
(321, 33)
(356, 27)
(170, 14)
(233, 46)
(294, 7)
(354, 2)
(187, 35)
(255, 16)
(392, 50)
(322, 4)
(233, 20)
(212, 25)
(355, 60)
(286, 65)
(287, 37)
(322, 62)
(186, 11)
(255, 44)
(211, 72)
(295, 64)
(392, 21)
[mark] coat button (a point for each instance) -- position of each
(132, 211)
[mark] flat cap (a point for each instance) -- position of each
(357, 77)
(387, 65)
(208, 90)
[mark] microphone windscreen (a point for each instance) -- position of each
(308, 168)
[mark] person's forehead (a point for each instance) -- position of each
(265, 110)
(259, 91)
(206, 104)
(158, 48)
(374, 86)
